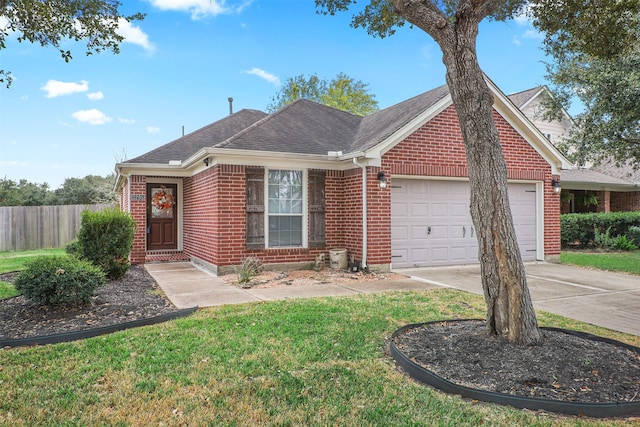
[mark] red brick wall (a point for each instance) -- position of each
(437, 149)
(138, 210)
(200, 214)
(622, 202)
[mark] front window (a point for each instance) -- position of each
(285, 208)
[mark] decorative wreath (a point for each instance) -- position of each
(161, 199)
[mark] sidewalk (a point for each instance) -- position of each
(187, 285)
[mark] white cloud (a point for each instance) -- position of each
(93, 117)
(517, 41)
(95, 96)
(126, 121)
(152, 129)
(523, 17)
(264, 75)
(134, 35)
(56, 88)
(201, 8)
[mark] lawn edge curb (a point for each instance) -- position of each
(89, 333)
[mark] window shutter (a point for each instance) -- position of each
(255, 208)
(317, 238)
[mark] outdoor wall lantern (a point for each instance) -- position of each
(556, 185)
(206, 161)
(382, 179)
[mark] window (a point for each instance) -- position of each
(285, 201)
(281, 220)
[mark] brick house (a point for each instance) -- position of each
(391, 188)
(607, 187)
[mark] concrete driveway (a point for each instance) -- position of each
(611, 300)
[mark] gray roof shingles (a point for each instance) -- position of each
(521, 98)
(302, 127)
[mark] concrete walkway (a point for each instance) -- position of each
(610, 300)
(187, 285)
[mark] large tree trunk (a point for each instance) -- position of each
(509, 309)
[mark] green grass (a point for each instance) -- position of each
(286, 363)
(16, 261)
(627, 262)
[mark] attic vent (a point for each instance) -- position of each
(230, 99)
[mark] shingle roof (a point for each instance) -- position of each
(302, 127)
(208, 136)
(625, 171)
(521, 98)
(589, 176)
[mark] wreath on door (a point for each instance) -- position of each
(162, 199)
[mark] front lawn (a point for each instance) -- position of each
(16, 261)
(296, 362)
(627, 262)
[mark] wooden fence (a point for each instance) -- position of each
(40, 227)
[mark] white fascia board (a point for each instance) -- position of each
(397, 137)
(529, 131)
(595, 186)
(267, 159)
(532, 98)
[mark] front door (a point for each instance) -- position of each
(162, 224)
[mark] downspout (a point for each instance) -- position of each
(364, 212)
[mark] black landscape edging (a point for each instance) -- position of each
(89, 333)
(596, 410)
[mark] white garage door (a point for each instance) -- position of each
(431, 224)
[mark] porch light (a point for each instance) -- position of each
(382, 179)
(556, 186)
(206, 161)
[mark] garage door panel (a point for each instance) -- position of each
(439, 210)
(444, 207)
(419, 210)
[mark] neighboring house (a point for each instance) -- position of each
(391, 188)
(603, 188)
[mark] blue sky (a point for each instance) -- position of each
(178, 67)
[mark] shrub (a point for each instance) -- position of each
(602, 240)
(73, 248)
(57, 280)
(579, 229)
(622, 243)
(250, 267)
(634, 233)
(105, 239)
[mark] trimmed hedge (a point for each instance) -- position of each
(105, 239)
(59, 280)
(579, 229)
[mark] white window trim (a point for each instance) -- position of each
(305, 208)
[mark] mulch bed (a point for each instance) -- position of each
(135, 296)
(563, 367)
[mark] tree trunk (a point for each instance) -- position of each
(509, 308)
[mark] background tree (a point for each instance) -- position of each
(343, 93)
(596, 59)
(92, 189)
(51, 22)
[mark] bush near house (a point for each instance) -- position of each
(105, 239)
(58, 280)
(581, 229)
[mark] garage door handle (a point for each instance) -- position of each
(464, 232)
(428, 230)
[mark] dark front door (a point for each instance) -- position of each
(162, 224)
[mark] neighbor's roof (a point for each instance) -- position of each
(208, 136)
(520, 99)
